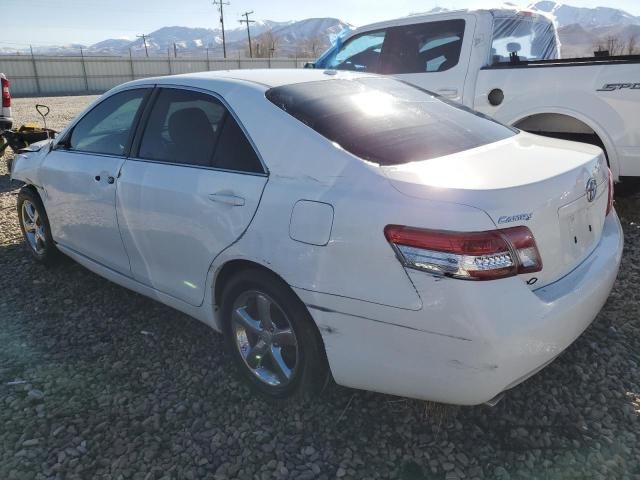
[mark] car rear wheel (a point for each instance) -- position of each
(34, 224)
(272, 337)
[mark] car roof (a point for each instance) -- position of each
(266, 78)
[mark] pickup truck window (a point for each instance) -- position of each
(530, 37)
(416, 48)
(423, 47)
(386, 121)
(360, 53)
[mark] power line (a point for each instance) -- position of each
(144, 39)
(220, 4)
(247, 21)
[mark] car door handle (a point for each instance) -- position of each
(227, 198)
(110, 179)
(448, 92)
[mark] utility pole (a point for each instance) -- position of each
(248, 22)
(220, 4)
(84, 71)
(35, 69)
(144, 40)
(175, 50)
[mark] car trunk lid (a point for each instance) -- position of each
(558, 189)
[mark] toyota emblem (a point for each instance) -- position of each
(591, 189)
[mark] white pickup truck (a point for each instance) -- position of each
(506, 63)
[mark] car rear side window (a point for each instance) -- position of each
(107, 127)
(234, 151)
(183, 127)
(386, 121)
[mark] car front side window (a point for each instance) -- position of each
(106, 129)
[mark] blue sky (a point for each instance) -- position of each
(89, 21)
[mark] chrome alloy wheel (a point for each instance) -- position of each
(265, 338)
(33, 227)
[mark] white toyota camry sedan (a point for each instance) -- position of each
(334, 225)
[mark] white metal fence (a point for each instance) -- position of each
(46, 75)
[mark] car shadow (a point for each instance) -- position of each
(6, 184)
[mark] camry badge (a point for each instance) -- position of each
(591, 189)
(521, 217)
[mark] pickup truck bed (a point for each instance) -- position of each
(595, 100)
(564, 62)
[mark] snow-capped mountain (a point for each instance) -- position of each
(308, 37)
(586, 17)
(111, 45)
(584, 30)
(304, 37)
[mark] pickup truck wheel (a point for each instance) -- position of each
(272, 338)
(34, 224)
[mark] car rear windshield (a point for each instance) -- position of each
(386, 121)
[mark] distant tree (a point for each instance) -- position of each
(312, 47)
(265, 45)
(632, 44)
(613, 45)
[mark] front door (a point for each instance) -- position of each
(80, 178)
(189, 192)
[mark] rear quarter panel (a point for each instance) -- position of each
(357, 262)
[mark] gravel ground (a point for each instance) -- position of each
(99, 382)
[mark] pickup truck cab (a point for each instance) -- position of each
(506, 63)
(5, 107)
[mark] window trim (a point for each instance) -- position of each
(135, 148)
(63, 143)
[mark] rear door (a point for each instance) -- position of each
(431, 55)
(189, 191)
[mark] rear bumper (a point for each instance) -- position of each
(471, 340)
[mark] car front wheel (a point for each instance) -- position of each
(272, 337)
(35, 227)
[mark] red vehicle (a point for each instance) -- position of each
(5, 111)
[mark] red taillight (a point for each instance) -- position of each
(610, 193)
(469, 255)
(6, 96)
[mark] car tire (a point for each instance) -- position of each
(291, 363)
(35, 227)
